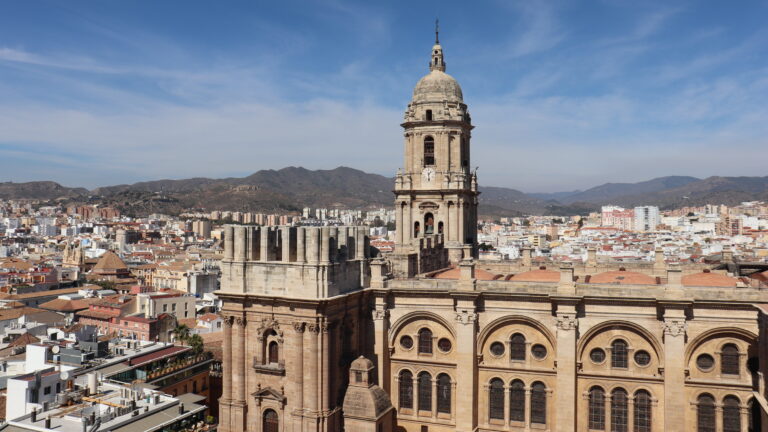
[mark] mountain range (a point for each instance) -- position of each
(292, 188)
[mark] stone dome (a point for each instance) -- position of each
(361, 402)
(437, 86)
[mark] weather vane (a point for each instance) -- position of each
(437, 30)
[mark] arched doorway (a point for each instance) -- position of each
(270, 422)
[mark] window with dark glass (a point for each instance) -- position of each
(619, 410)
(539, 351)
(416, 229)
(270, 422)
(425, 341)
(429, 115)
(444, 394)
(406, 389)
(273, 352)
(705, 414)
(425, 391)
(619, 354)
(496, 399)
(538, 403)
(517, 347)
(444, 344)
(596, 408)
(731, 414)
(429, 151)
(642, 358)
(729, 360)
(642, 418)
(497, 348)
(705, 362)
(517, 401)
(406, 342)
(597, 355)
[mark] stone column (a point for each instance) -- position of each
(325, 385)
(674, 368)
(264, 244)
(225, 402)
(381, 343)
(460, 236)
(285, 240)
(296, 398)
(466, 357)
(301, 255)
(325, 245)
(565, 398)
(310, 368)
(240, 243)
(239, 376)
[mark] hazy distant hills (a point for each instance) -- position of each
(292, 188)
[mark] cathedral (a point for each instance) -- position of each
(325, 333)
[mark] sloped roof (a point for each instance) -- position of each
(709, 279)
(109, 263)
(623, 277)
(64, 305)
(538, 275)
(24, 340)
(455, 273)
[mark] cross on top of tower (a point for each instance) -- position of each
(437, 31)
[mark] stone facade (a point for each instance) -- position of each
(460, 344)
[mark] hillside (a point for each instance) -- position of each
(291, 188)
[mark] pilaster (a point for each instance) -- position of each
(567, 327)
(675, 402)
(466, 359)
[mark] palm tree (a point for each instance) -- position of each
(196, 342)
(182, 332)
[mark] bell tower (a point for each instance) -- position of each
(436, 192)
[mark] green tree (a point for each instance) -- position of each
(182, 333)
(196, 342)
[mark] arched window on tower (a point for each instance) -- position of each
(270, 422)
(444, 394)
(731, 414)
(273, 353)
(729, 360)
(496, 399)
(705, 414)
(619, 354)
(440, 227)
(425, 391)
(429, 115)
(619, 410)
(429, 224)
(416, 229)
(642, 418)
(517, 401)
(429, 151)
(539, 403)
(596, 409)
(406, 389)
(425, 341)
(517, 347)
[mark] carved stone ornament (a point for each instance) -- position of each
(298, 327)
(567, 322)
(229, 321)
(240, 321)
(313, 328)
(675, 328)
(466, 317)
(380, 314)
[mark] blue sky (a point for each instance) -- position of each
(564, 94)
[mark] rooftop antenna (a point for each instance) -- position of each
(437, 30)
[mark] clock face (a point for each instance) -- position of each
(428, 174)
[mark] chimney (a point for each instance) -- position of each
(674, 277)
(527, 259)
(33, 417)
(591, 257)
(181, 408)
(658, 259)
(48, 422)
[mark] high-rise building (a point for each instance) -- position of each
(646, 218)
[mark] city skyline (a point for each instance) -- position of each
(128, 93)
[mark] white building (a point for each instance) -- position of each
(646, 218)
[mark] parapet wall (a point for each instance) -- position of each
(305, 262)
